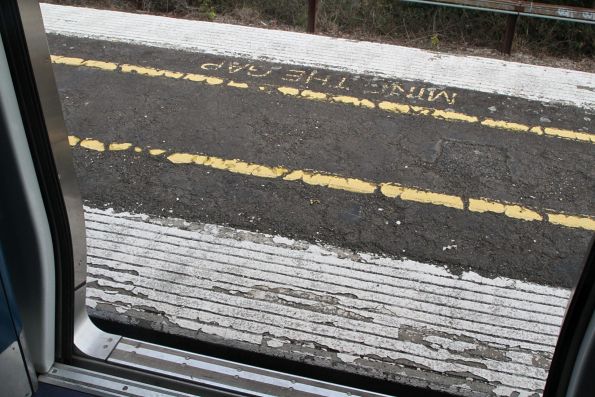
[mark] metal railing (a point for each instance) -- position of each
(513, 8)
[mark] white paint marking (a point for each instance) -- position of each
(539, 83)
(278, 295)
(258, 269)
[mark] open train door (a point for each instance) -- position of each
(573, 366)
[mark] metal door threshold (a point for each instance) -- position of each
(99, 384)
(222, 374)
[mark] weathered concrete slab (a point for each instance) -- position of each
(391, 319)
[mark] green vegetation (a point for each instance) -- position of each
(384, 20)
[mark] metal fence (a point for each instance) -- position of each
(513, 8)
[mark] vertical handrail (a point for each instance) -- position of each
(506, 46)
(312, 8)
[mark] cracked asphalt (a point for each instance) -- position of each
(464, 159)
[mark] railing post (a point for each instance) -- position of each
(506, 46)
(312, 8)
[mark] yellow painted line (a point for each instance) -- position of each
(93, 144)
(456, 116)
(568, 134)
(100, 65)
(481, 205)
(387, 106)
(66, 60)
(350, 100)
(119, 146)
(394, 107)
(73, 140)
(315, 95)
(510, 210)
(421, 196)
(201, 78)
(237, 85)
(331, 181)
(151, 72)
(81, 62)
(506, 125)
(354, 185)
(580, 222)
(235, 166)
(287, 90)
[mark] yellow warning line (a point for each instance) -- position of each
(354, 185)
(386, 106)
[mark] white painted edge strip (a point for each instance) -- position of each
(540, 83)
(216, 258)
(268, 244)
(229, 283)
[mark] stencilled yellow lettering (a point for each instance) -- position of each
(212, 66)
(293, 75)
(235, 67)
(254, 71)
(322, 80)
(374, 88)
(411, 93)
(432, 97)
(395, 89)
(341, 85)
